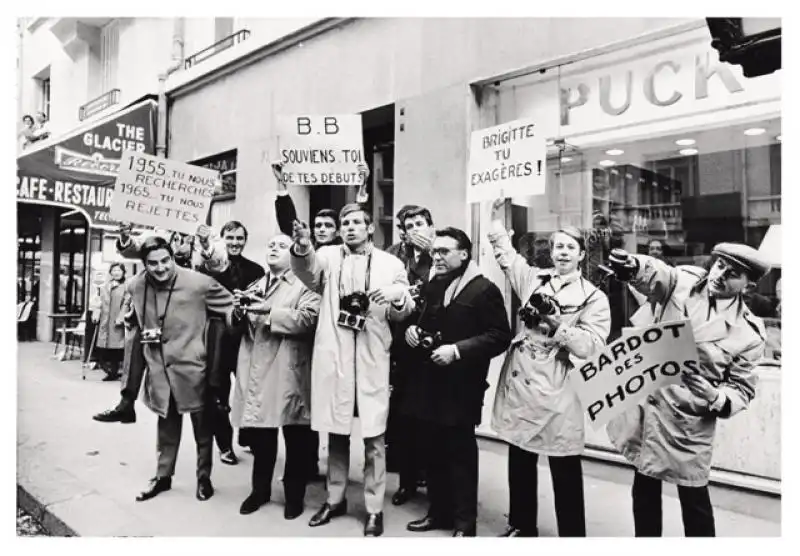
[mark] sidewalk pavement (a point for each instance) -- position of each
(80, 477)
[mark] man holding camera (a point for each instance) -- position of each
(670, 437)
(462, 326)
(403, 431)
(171, 306)
(362, 289)
(237, 273)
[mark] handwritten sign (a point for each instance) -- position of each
(634, 366)
(162, 193)
(506, 161)
(321, 150)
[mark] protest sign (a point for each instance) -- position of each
(506, 161)
(159, 192)
(634, 366)
(320, 150)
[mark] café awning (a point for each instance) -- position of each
(78, 172)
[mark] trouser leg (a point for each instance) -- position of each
(698, 513)
(374, 473)
(463, 470)
(523, 490)
(567, 474)
(169, 440)
(338, 467)
(264, 445)
(204, 438)
(647, 509)
(440, 489)
(299, 441)
(223, 431)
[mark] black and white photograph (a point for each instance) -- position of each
(299, 277)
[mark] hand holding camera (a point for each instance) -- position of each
(388, 294)
(624, 265)
(353, 311)
(250, 302)
(541, 312)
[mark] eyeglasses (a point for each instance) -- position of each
(443, 251)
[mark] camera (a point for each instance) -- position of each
(151, 336)
(429, 341)
(353, 311)
(537, 305)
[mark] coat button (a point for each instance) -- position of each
(521, 348)
(514, 373)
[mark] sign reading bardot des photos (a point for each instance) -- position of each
(162, 193)
(632, 367)
(320, 150)
(506, 161)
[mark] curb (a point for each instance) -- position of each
(49, 521)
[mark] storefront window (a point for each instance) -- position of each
(72, 244)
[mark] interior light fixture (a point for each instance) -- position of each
(755, 131)
(688, 152)
(685, 142)
(607, 163)
(566, 159)
(615, 152)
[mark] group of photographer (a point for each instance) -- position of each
(336, 329)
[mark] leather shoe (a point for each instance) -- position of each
(156, 486)
(403, 495)
(110, 377)
(253, 502)
(374, 525)
(120, 414)
(464, 533)
(426, 524)
(328, 512)
(228, 457)
(204, 489)
(293, 510)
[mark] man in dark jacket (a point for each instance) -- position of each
(463, 325)
(403, 431)
(238, 273)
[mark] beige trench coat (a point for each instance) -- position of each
(273, 373)
(347, 366)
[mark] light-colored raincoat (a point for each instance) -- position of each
(349, 367)
(671, 435)
(535, 407)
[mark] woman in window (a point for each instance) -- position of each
(25, 134)
(109, 316)
(536, 411)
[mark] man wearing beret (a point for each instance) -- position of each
(670, 436)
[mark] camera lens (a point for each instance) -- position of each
(351, 320)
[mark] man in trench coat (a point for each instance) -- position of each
(168, 349)
(670, 437)
(350, 369)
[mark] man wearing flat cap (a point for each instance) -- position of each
(670, 436)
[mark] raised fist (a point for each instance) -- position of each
(203, 234)
(301, 234)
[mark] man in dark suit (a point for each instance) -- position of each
(237, 273)
(468, 313)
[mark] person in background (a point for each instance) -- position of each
(462, 326)
(211, 256)
(404, 430)
(26, 135)
(670, 437)
(171, 307)
(273, 382)
(396, 248)
(114, 304)
(363, 289)
(237, 273)
(536, 410)
(41, 129)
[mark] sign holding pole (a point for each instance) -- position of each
(162, 193)
(507, 160)
(320, 150)
(632, 367)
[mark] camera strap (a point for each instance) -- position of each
(341, 271)
(159, 316)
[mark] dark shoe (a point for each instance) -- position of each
(156, 486)
(403, 495)
(110, 377)
(293, 510)
(422, 483)
(204, 489)
(228, 457)
(120, 414)
(426, 524)
(253, 502)
(374, 525)
(464, 533)
(326, 513)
